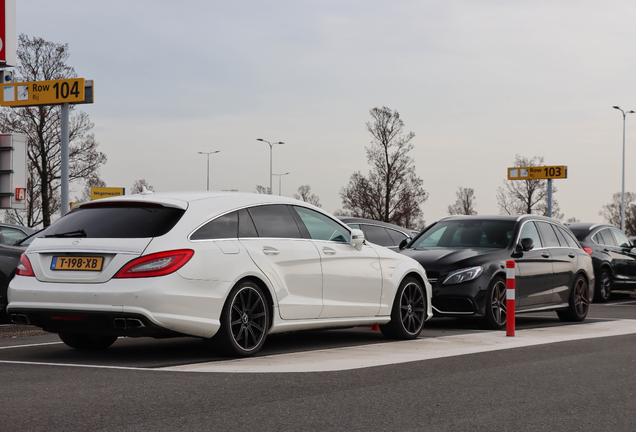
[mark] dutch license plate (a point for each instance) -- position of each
(77, 263)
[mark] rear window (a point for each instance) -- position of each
(116, 220)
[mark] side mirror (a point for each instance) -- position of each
(404, 242)
(525, 244)
(357, 238)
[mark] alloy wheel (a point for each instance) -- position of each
(248, 318)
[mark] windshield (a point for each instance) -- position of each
(466, 234)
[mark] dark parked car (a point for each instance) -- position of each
(613, 256)
(465, 257)
(9, 259)
(381, 233)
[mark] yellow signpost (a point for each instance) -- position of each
(105, 192)
(538, 173)
(53, 92)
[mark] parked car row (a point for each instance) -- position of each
(232, 268)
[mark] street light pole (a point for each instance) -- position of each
(209, 153)
(623, 187)
(270, 160)
(279, 182)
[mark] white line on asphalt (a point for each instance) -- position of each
(359, 357)
(30, 345)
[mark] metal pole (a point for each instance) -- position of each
(270, 168)
(64, 138)
(549, 197)
(208, 171)
(623, 183)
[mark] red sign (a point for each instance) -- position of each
(3, 27)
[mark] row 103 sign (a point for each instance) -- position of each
(538, 173)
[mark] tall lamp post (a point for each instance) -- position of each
(270, 160)
(623, 189)
(209, 153)
(279, 182)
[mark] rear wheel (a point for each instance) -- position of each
(408, 313)
(495, 318)
(579, 302)
(244, 321)
(87, 341)
(603, 286)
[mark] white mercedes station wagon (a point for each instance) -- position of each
(227, 267)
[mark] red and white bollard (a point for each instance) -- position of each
(510, 298)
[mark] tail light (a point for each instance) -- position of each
(24, 267)
(157, 264)
(588, 250)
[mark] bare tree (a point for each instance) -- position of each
(138, 186)
(262, 189)
(391, 192)
(304, 194)
(40, 60)
(527, 196)
(465, 204)
(573, 220)
(612, 212)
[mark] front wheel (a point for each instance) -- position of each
(244, 321)
(579, 302)
(495, 318)
(408, 312)
(87, 341)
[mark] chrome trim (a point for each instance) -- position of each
(544, 308)
(98, 251)
(452, 313)
(432, 280)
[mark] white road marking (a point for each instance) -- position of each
(30, 345)
(359, 357)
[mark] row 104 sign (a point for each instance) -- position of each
(53, 92)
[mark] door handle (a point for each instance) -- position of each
(545, 255)
(328, 251)
(571, 255)
(270, 251)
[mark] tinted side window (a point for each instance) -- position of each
(547, 234)
(11, 236)
(607, 237)
(378, 235)
(225, 226)
(397, 236)
(274, 221)
(529, 230)
(569, 238)
(321, 227)
(246, 226)
(621, 238)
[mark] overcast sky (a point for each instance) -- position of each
(478, 82)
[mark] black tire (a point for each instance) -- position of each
(244, 321)
(495, 318)
(85, 341)
(579, 302)
(408, 312)
(603, 286)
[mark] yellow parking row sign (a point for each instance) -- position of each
(54, 92)
(538, 173)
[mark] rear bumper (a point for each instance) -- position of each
(101, 323)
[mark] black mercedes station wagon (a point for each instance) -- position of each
(465, 260)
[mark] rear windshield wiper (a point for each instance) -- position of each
(77, 233)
